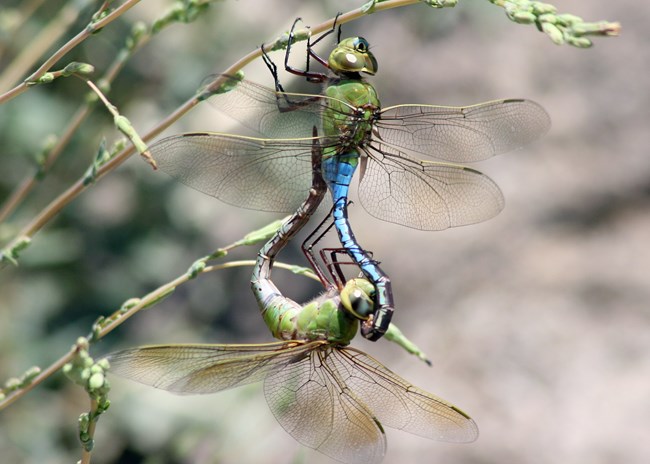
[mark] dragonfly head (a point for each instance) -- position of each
(357, 298)
(353, 55)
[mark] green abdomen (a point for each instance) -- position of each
(321, 319)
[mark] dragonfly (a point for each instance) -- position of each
(271, 171)
(327, 395)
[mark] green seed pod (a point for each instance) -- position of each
(554, 33)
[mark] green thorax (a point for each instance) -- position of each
(350, 112)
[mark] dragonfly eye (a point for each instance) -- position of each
(357, 298)
(361, 45)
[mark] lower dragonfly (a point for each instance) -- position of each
(327, 395)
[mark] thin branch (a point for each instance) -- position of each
(47, 373)
(135, 42)
(85, 452)
(92, 28)
(47, 36)
(30, 181)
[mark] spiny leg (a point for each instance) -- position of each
(311, 76)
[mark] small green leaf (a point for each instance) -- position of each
(196, 268)
(580, 42)
(523, 17)
(441, 3)
(77, 68)
(44, 79)
(12, 384)
(554, 33)
(96, 381)
(29, 375)
(540, 8)
(11, 253)
(158, 298)
(263, 234)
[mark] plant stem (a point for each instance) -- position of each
(39, 45)
(86, 454)
(71, 44)
(28, 183)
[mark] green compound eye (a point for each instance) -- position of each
(361, 45)
(357, 298)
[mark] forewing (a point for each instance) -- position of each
(194, 369)
(425, 195)
(463, 134)
(400, 405)
(260, 174)
(309, 401)
(272, 114)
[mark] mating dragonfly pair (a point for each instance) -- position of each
(327, 395)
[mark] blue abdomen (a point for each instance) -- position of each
(338, 171)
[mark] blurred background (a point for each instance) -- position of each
(536, 321)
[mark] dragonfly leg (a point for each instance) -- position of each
(310, 51)
(311, 76)
(327, 257)
(284, 102)
(272, 68)
(308, 250)
(333, 263)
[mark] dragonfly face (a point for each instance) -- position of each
(352, 55)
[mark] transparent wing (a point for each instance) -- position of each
(270, 113)
(312, 404)
(260, 174)
(463, 134)
(196, 369)
(425, 195)
(400, 405)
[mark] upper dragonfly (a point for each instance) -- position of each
(273, 172)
